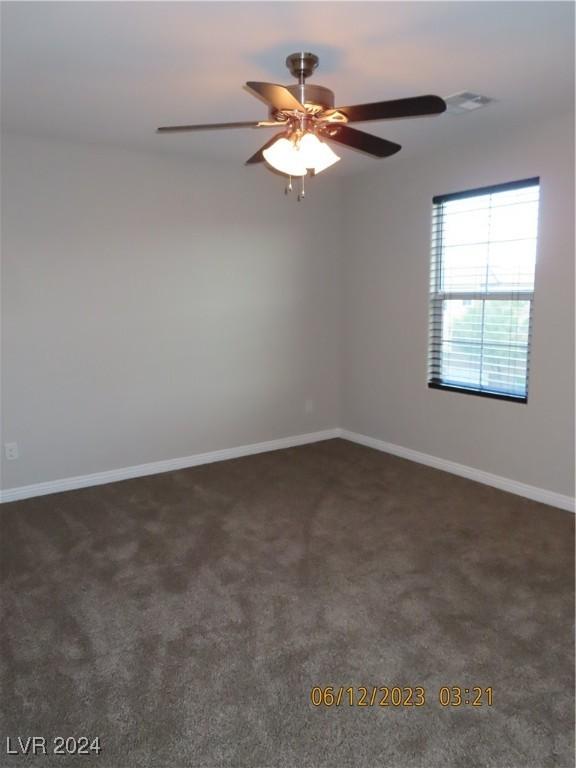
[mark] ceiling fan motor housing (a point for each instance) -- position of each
(315, 95)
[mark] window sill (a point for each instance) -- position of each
(479, 392)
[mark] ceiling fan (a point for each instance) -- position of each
(307, 118)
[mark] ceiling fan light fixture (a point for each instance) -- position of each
(284, 157)
(297, 157)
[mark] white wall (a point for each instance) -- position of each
(386, 279)
(156, 307)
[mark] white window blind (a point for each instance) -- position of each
(482, 289)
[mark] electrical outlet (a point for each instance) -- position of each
(309, 406)
(11, 450)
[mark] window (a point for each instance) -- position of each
(482, 288)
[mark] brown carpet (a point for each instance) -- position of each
(184, 618)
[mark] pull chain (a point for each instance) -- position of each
(302, 193)
(288, 187)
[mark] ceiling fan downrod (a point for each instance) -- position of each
(301, 66)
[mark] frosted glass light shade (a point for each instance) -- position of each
(284, 156)
(315, 154)
(295, 159)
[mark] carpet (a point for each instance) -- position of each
(230, 616)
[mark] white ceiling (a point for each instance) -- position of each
(113, 71)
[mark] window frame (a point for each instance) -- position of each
(437, 296)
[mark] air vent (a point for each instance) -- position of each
(460, 103)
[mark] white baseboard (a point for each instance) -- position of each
(503, 483)
(157, 467)
(168, 465)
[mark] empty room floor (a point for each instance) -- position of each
(185, 618)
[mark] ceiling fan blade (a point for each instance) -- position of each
(258, 157)
(215, 126)
(419, 106)
(365, 142)
(276, 95)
